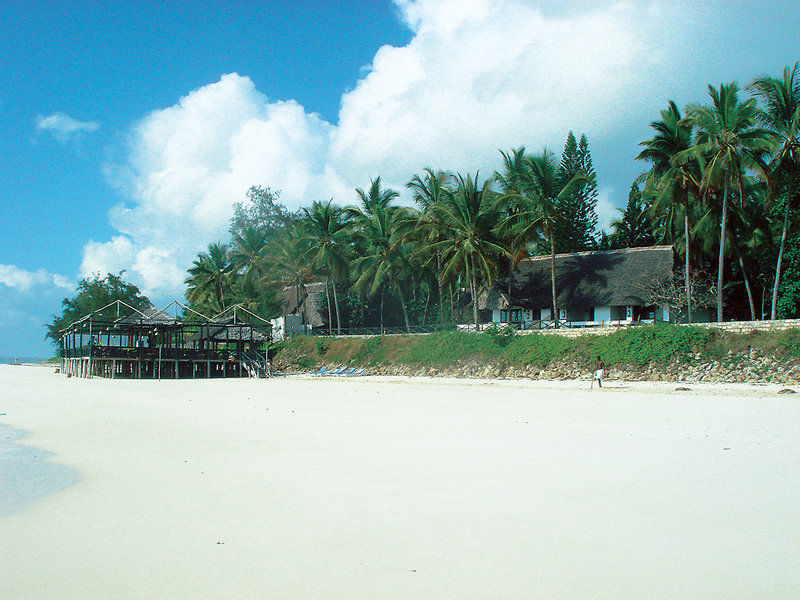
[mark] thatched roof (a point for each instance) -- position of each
(150, 316)
(231, 333)
(306, 301)
(583, 279)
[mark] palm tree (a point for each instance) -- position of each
(248, 249)
(288, 262)
(469, 216)
(729, 143)
(380, 229)
(374, 198)
(534, 194)
(781, 116)
(429, 191)
(670, 182)
(385, 259)
(326, 232)
(209, 278)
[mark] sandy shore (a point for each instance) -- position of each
(388, 488)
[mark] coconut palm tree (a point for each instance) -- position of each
(432, 189)
(385, 258)
(247, 251)
(326, 232)
(288, 262)
(209, 278)
(729, 143)
(379, 230)
(670, 183)
(375, 198)
(534, 194)
(781, 116)
(473, 247)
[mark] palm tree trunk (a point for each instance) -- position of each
(784, 233)
(382, 292)
(426, 305)
(439, 283)
(328, 298)
(452, 303)
(473, 284)
(219, 295)
(336, 304)
(510, 292)
(721, 261)
(403, 304)
(686, 266)
(553, 276)
(747, 287)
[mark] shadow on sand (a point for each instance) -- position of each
(26, 474)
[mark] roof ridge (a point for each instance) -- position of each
(590, 252)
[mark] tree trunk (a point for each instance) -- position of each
(336, 305)
(686, 266)
(473, 284)
(426, 305)
(747, 287)
(328, 298)
(439, 283)
(452, 303)
(220, 295)
(774, 309)
(403, 304)
(382, 292)
(721, 262)
(553, 277)
(510, 292)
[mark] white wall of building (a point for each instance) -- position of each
(602, 313)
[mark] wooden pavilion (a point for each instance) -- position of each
(119, 340)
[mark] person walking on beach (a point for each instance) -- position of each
(599, 370)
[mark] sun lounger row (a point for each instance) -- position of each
(324, 371)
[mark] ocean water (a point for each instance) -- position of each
(27, 475)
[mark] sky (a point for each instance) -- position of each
(129, 129)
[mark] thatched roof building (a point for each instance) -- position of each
(585, 282)
(305, 301)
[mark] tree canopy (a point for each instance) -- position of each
(93, 293)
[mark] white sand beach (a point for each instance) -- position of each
(397, 488)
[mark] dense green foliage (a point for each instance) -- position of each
(721, 186)
(93, 293)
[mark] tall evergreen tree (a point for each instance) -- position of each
(577, 230)
(632, 229)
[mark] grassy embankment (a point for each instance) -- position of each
(668, 349)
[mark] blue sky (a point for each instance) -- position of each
(129, 129)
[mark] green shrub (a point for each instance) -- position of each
(306, 362)
(321, 347)
(788, 343)
(502, 336)
(537, 349)
(367, 350)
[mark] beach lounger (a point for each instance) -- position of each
(338, 371)
(357, 372)
(347, 372)
(321, 371)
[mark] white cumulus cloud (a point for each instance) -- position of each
(476, 76)
(64, 127)
(24, 281)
